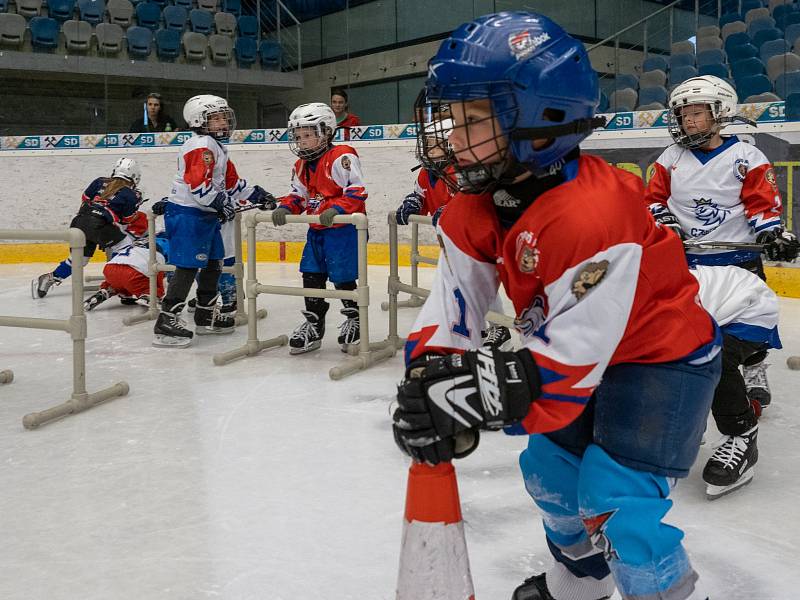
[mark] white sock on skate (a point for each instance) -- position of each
(563, 585)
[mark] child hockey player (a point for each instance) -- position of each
(619, 362)
(202, 198)
(109, 206)
(126, 274)
(747, 311)
(326, 181)
(709, 187)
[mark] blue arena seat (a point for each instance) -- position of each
(232, 6)
(201, 21)
(710, 57)
(187, 4)
(92, 11)
(773, 48)
(624, 80)
(681, 60)
(766, 35)
(603, 106)
(655, 63)
(270, 54)
(792, 33)
(717, 70)
(44, 33)
(246, 50)
(61, 10)
(731, 17)
(747, 68)
(737, 53)
(750, 86)
(681, 74)
(168, 44)
(788, 84)
(148, 14)
(140, 41)
(750, 5)
(175, 18)
(248, 26)
(792, 107)
(648, 95)
(736, 39)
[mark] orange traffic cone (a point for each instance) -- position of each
(433, 556)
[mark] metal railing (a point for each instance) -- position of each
(278, 24)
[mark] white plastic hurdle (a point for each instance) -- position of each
(237, 269)
(75, 326)
(418, 294)
(368, 354)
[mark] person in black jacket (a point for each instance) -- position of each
(153, 118)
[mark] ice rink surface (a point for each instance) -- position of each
(264, 479)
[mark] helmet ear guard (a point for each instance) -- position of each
(317, 115)
(198, 110)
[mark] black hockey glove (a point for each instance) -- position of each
(262, 198)
(437, 215)
(159, 208)
(326, 216)
(442, 402)
(664, 217)
(222, 203)
(412, 205)
(279, 216)
(779, 244)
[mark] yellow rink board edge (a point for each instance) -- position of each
(784, 280)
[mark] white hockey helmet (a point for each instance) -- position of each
(126, 168)
(198, 109)
(716, 93)
(317, 115)
(435, 149)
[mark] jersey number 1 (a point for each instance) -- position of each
(460, 327)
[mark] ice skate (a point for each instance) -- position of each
(755, 379)
(732, 464)
(308, 335)
(350, 330)
(42, 284)
(496, 336)
(97, 298)
(170, 330)
(209, 320)
(535, 588)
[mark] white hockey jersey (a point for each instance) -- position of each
(137, 257)
(741, 303)
(204, 170)
(729, 194)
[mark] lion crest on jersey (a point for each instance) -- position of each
(769, 175)
(740, 167)
(527, 253)
(709, 213)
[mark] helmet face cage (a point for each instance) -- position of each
(483, 162)
(219, 133)
(323, 134)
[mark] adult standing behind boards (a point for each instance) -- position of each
(154, 117)
(344, 119)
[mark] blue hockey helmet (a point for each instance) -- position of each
(540, 83)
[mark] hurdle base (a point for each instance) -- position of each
(242, 318)
(6, 376)
(149, 315)
(412, 302)
(77, 403)
(361, 362)
(251, 348)
(397, 343)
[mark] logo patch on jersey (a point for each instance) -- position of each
(596, 528)
(709, 213)
(769, 175)
(527, 253)
(201, 257)
(522, 43)
(346, 163)
(740, 168)
(531, 318)
(208, 157)
(313, 203)
(588, 277)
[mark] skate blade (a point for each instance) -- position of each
(311, 348)
(205, 330)
(718, 491)
(167, 341)
(35, 290)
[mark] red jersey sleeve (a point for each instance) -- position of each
(761, 198)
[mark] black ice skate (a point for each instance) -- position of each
(97, 298)
(229, 309)
(42, 284)
(496, 336)
(191, 305)
(308, 335)
(170, 330)
(209, 320)
(350, 330)
(535, 588)
(755, 379)
(731, 465)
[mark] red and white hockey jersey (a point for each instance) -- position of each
(593, 280)
(729, 194)
(334, 180)
(740, 302)
(204, 170)
(136, 257)
(432, 190)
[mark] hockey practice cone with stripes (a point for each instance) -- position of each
(433, 557)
